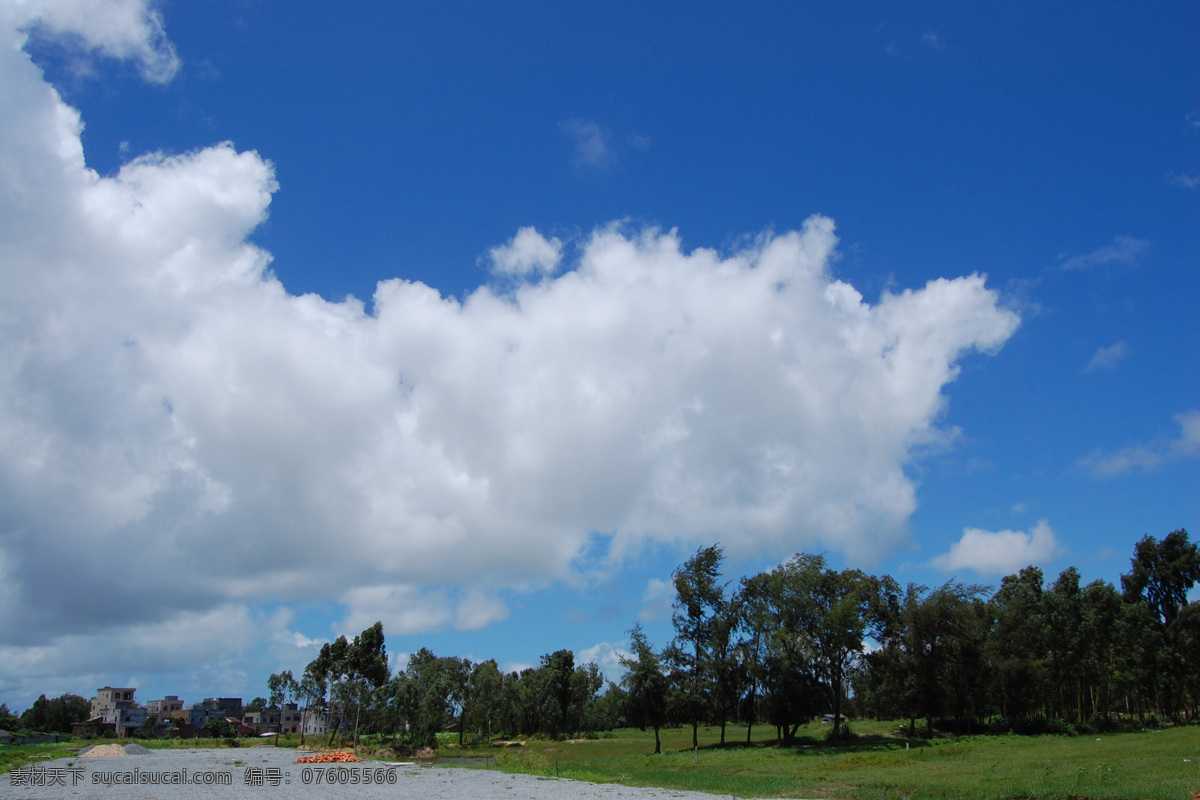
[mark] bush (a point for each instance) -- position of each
(841, 733)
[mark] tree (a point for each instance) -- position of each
(646, 686)
(282, 687)
(8, 720)
(312, 689)
(483, 706)
(1162, 574)
(776, 612)
(699, 600)
(148, 727)
(557, 669)
(57, 715)
(586, 681)
(1101, 613)
(1017, 648)
(366, 669)
(846, 607)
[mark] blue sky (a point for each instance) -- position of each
(914, 287)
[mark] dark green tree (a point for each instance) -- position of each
(483, 705)
(646, 686)
(699, 602)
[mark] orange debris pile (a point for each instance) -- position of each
(336, 757)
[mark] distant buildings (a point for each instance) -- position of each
(114, 709)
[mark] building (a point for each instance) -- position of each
(108, 700)
(290, 718)
(170, 707)
(129, 720)
(115, 707)
(211, 708)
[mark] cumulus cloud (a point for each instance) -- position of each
(200, 650)
(526, 252)
(1101, 463)
(1123, 250)
(592, 147)
(607, 656)
(124, 29)
(403, 610)
(478, 610)
(1107, 357)
(1001, 552)
(175, 425)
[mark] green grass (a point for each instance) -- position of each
(1137, 766)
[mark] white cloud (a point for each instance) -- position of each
(478, 610)
(1101, 463)
(1123, 250)
(516, 666)
(592, 148)
(1107, 357)
(1001, 552)
(657, 599)
(125, 29)
(607, 656)
(403, 610)
(297, 640)
(1185, 180)
(526, 252)
(203, 651)
(175, 425)
(931, 40)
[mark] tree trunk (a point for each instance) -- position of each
(657, 743)
(749, 727)
(722, 733)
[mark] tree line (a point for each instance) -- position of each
(350, 684)
(801, 640)
(789, 644)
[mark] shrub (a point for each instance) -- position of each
(841, 733)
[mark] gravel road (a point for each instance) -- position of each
(267, 772)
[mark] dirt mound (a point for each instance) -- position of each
(102, 751)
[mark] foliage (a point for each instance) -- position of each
(55, 716)
(646, 687)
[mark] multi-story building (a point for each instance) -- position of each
(108, 700)
(212, 708)
(290, 718)
(170, 707)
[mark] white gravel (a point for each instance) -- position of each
(88, 780)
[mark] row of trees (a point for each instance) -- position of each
(804, 639)
(350, 679)
(55, 715)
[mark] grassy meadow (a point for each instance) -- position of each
(881, 764)
(1138, 766)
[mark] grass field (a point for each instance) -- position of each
(1134, 766)
(1137, 766)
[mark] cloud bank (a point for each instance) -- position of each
(175, 425)
(1001, 552)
